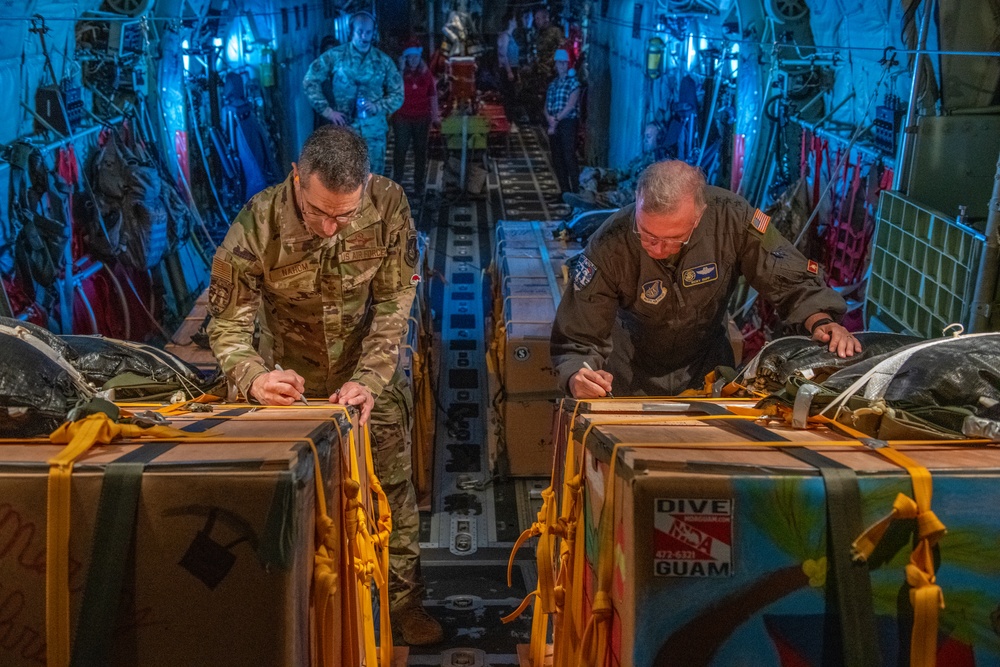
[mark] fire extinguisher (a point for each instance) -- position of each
(267, 67)
(654, 57)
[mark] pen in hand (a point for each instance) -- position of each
(301, 398)
(590, 368)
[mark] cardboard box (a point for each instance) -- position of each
(222, 553)
(720, 554)
(529, 282)
(528, 436)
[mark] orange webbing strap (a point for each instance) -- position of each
(380, 547)
(925, 595)
(78, 436)
(546, 596)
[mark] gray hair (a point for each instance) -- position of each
(663, 185)
(338, 157)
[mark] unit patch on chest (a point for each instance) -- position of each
(653, 292)
(699, 275)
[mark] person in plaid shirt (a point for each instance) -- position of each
(563, 118)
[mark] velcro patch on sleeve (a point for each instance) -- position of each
(760, 221)
(583, 271)
(222, 270)
(812, 266)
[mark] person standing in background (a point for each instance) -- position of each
(561, 101)
(366, 87)
(412, 123)
(508, 61)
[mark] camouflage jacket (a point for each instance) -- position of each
(659, 326)
(371, 75)
(331, 309)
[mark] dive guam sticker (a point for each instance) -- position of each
(693, 537)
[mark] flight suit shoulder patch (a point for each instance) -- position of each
(220, 288)
(812, 266)
(760, 221)
(700, 275)
(583, 271)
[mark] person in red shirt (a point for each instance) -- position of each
(412, 123)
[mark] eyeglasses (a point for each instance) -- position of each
(650, 239)
(313, 214)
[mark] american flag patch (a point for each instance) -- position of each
(760, 221)
(222, 270)
(812, 266)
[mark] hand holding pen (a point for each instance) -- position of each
(588, 383)
(279, 387)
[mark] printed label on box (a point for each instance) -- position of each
(693, 537)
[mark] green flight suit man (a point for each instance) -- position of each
(325, 264)
(647, 308)
(367, 88)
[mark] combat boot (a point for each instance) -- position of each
(417, 626)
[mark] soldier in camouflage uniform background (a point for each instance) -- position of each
(325, 263)
(366, 85)
(544, 40)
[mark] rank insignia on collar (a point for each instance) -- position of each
(812, 266)
(653, 292)
(760, 221)
(705, 273)
(583, 271)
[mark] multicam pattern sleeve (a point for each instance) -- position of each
(234, 299)
(392, 290)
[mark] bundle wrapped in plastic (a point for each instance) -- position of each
(800, 356)
(133, 370)
(942, 388)
(38, 386)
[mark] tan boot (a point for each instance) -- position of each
(417, 626)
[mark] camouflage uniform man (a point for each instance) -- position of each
(545, 40)
(358, 71)
(650, 290)
(325, 264)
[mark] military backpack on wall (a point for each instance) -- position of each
(135, 218)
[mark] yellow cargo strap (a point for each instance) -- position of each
(552, 590)
(926, 596)
(79, 437)
(372, 560)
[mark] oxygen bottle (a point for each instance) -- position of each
(266, 72)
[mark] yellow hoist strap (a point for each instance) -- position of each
(78, 437)
(926, 596)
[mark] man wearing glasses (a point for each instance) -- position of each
(647, 308)
(325, 264)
